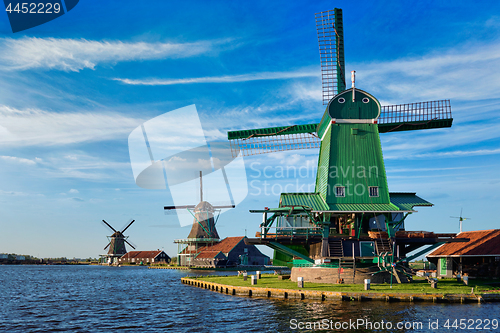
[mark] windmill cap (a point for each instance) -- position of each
(204, 206)
(364, 106)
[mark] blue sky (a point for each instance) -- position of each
(74, 88)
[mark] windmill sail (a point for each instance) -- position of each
(331, 51)
(413, 116)
(393, 118)
(117, 240)
(273, 139)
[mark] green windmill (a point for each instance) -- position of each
(351, 219)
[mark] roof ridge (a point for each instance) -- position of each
(478, 231)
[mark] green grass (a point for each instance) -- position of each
(418, 286)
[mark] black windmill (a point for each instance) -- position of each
(116, 246)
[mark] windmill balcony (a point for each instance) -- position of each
(270, 233)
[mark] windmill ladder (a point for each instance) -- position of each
(336, 248)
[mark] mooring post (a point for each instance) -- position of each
(300, 282)
(466, 279)
(254, 279)
(245, 276)
(367, 284)
(258, 274)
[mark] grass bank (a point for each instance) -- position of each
(419, 286)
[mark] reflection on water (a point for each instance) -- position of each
(136, 299)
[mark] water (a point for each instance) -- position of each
(136, 299)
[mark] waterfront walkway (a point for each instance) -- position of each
(338, 295)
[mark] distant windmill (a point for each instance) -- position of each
(117, 242)
(460, 219)
(203, 232)
(204, 221)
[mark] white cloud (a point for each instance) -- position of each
(469, 72)
(18, 194)
(74, 191)
(274, 113)
(34, 127)
(446, 142)
(460, 153)
(224, 79)
(13, 193)
(20, 160)
(177, 159)
(307, 92)
(80, 165)
(77, 54)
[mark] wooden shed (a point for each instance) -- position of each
(479, 257)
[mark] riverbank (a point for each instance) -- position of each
(269, 286)
(169, 267)
(224, 269)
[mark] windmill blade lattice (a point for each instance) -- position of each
(263, 144)
(331, 51)
(393, 118)
(413, 116)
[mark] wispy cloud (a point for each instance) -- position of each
(19, 194)
(223, 79)
(468, 72)
(34, 127)
(460, 153)
(20, 160)
(77, 54)
(448, 142)
(82, 165)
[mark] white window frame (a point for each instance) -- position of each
(370, 191)
(342, 192)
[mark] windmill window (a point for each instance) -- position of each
(341, 100)
(373, 191)
(340, 191)
(365, 100)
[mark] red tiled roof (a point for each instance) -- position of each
(141, 254)
(225, 245)
(207, 254)
(482, 242)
